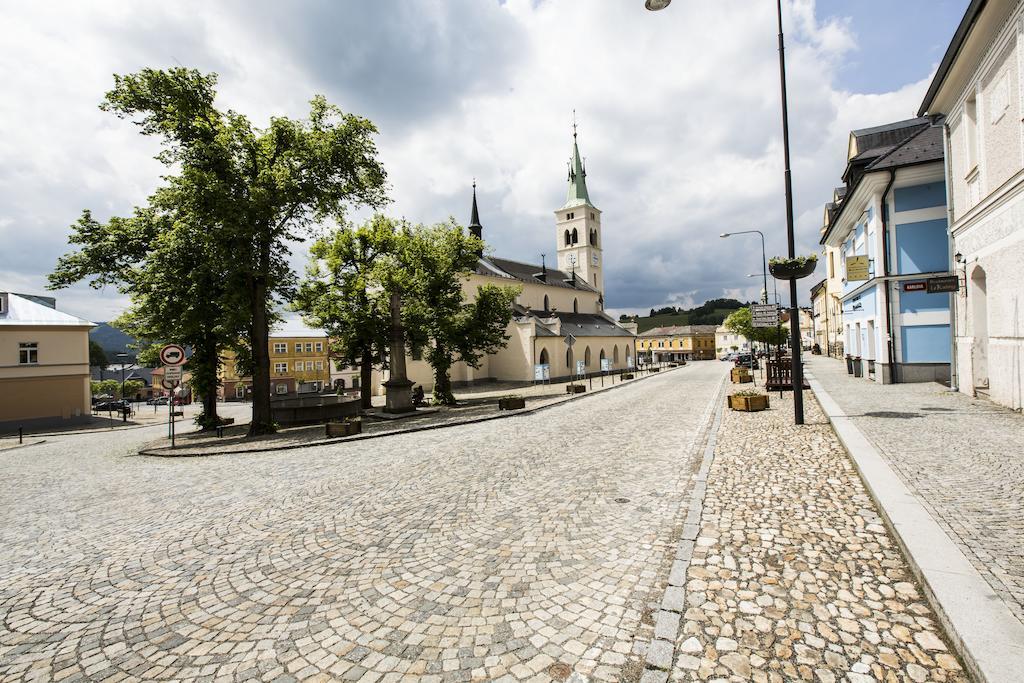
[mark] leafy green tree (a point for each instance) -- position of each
(250, 192)
(344, 294)
(97, 356)
(105, 387)
(741, 322)
(131, 387)
(440, 322)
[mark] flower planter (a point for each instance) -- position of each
(655, 369)
(626, 375)
(517, 403)
(792, 270)
(849, 365)
(673, 365)
(177, 413)
(575, 388)
(337, 429)
(741, 375)
(858, 368)
(749, 404)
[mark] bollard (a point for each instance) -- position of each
(220, 431)
(19, 435)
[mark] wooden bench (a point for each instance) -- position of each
(780, 375)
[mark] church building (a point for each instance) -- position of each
(552, 305)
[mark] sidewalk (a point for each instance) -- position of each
(477, 404)
(962, 458)
(792, 574)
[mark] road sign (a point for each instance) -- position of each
(764, 315)
(172, 373)
(169, 383)
(946, 283)
(569, 340)
(857, 268)
(172, 354)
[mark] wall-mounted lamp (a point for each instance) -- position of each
(959, 257)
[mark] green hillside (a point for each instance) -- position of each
(712, 312)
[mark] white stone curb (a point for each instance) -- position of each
(985, 633)
(668, 620)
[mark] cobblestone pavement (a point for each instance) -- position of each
(793, 576)
(962, 457)
(519, 549)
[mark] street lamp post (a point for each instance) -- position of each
(797, 368)
(124, 413)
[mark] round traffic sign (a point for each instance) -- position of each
(172, 354)
(169, 383)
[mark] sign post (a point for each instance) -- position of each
(173, 357)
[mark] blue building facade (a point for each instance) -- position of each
(894, 215)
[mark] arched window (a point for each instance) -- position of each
(568, 238)
(546, 303)
(544, 357)
(575, 305)
(575, 236)
(601, 359)
(586, 358)
(615, 355)
(593, 237)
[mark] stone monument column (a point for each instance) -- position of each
(398, 398)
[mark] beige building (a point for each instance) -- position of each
(977, 93)
(727, 342)
(552, 304)
(677, 343)
(44, 363)
(829, 319)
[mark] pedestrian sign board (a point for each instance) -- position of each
(172, 373)
(857, 268)
(581, 367)
(172, 354)
(629, 362)
(606, 365)
(764, 315)
(541, 373)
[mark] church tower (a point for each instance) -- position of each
(578, 228)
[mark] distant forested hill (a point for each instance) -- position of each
(711, 312)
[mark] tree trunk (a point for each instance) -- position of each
(262, 419)
(443, 395)
(208, 366)
(366, 380)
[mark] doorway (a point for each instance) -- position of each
(979, 327)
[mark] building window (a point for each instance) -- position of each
(546, 302)
(298, 347)
(309, 365)
(319, 346)
(281, 388)
(280, 368)
(28, 353)
(575, 305)
(298, 365)
(575, 236)
(355, 382)
(568, 238)
(239, 391)
(309, 347)
(319, 365)
(280, 347)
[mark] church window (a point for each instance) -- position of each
(544, 357)
(591, 215)
(575, 236)
(593, 237)
(568, 238)
(615, 355)
(546, 302)
(575, 305)
(602, 357)
(586, 357)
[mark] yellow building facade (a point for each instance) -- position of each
(44, 363)
(299, 363)
(677, 343)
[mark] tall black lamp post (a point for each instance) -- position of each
(794, 315)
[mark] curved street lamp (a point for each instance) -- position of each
(797, 368)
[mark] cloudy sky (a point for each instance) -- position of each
(678, 115)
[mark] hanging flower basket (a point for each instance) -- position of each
(792, 268)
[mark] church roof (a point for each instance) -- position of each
(577, 195)
(584, 324)
(525, 272)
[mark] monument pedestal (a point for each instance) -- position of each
(399, 396)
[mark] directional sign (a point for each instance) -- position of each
(168, 383)
(764, 315)
(172, 354)
(569, 340)
(172, 373)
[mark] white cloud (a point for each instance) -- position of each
(678, 110)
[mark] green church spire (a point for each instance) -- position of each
(577, 195)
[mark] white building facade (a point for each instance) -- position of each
(979, 92)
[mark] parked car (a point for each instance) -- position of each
(158, 401)
(746, 360)
(112, 406)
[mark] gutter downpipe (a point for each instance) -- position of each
(890, 344)
(954, 379)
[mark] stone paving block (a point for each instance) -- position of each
(666, 625)
(659, 654)
(674, 599)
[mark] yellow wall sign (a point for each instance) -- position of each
(857, 268)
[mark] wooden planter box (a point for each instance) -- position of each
(575, 388)
(741, 376)
(511, 403)
(748, 404)
(655, 369)
(626, 375)
(336, 429)
(225, 421)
